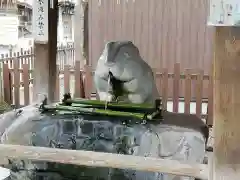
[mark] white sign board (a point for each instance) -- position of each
(40, 21)
(224, 13)
(9, 30)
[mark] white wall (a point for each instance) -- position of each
(24, 43)
(30, 2)
(9, 29)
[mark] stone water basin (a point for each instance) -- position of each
(93, 133)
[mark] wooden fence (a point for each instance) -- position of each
(17, 71)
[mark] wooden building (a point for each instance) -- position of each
(166, 31)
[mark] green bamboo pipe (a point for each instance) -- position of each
(95, 110)
(149, 116)
(118, 105)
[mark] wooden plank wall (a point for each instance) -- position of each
(166, 31)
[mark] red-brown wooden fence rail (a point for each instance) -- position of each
(17, 76)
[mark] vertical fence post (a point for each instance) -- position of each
(199, 89)
(66, 78)
(16, 79)
(7, 84)
(32, 62)
(159, 81)
(165, 88)
(22, 60)
(187, 90)
(26, 83)
(88, 81)
(155, 78)
(210, 99)
(78, 85)
(176, 83)
(57, 93)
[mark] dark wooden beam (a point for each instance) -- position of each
(45, 58)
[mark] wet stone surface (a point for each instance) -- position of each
(93, 133)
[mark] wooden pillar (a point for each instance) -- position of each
(226, 115)
(226, 156)
(45, 56)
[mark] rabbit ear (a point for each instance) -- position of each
(113, 47)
